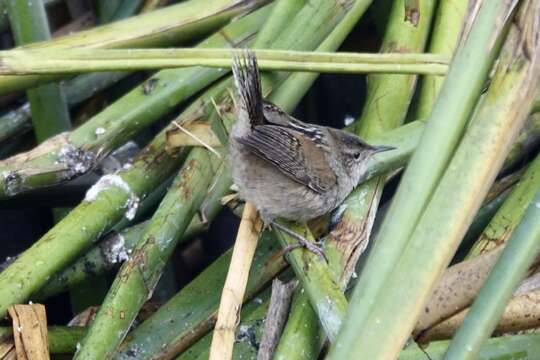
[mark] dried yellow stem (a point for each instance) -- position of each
(235, 284)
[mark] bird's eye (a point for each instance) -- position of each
(356, 155)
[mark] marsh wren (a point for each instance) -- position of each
(285, 167)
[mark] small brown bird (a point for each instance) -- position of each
(285, 167)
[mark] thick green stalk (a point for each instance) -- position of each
(107, 202)
(4, 18)
(47, 103)
(171, 25)
(66, 61)
(310, 26)
(112, 127)
(511, 268)
(403, 37)
(302, 337)
(248, 335)
(443, 130)
(191, 313)
(283, 11)
(299, 83)
(323, 291)
(527, 141)
(116, 246)
(536, 106)
(138, 276)
(126, 8)
(525, 346)
(447, 25)
(482, 219)
(511, 212)
(106, 255)
(106, 9)
(148, 204)
(16, 122)
(84, 87)
(469, 175)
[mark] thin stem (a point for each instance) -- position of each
(447, 26)
(511, 268)
(24, 62)
(172, 25)
(50, 114)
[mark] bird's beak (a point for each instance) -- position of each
(381, 148)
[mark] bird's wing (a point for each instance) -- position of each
(286, 149)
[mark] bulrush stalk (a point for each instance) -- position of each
(511, 212)
(67, 61)
(481, 152)
(47, 102)
(138, 276)
(163, 27)
(71, 154)
(447, 25)
(445, 126)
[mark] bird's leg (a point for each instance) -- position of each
(314, 247)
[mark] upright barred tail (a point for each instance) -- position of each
(248, 86)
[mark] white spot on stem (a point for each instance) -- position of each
(108, 181)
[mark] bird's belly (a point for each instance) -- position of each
(273, 193)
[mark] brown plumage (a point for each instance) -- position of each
(285, 167)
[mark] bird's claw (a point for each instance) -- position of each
(314, 247)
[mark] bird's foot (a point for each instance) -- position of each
(314, 247)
